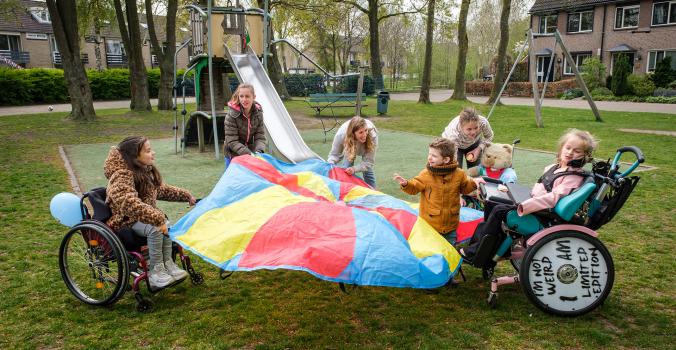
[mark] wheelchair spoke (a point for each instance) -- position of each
(91, 267)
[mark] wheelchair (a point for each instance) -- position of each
(562, 266)
(98, 265)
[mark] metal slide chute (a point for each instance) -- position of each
(283, 137)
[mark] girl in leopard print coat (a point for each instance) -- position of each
(134, 186)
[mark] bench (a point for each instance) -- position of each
(320, 102)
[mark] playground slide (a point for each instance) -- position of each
(284, 138)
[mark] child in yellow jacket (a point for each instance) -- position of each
(440, 185)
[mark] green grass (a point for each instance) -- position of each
(288, 309)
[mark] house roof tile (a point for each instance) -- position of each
(20, 20)
(541, 6)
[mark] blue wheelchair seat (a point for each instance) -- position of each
(568, 205)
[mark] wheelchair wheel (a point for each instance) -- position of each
(567, 273)
(93, 264)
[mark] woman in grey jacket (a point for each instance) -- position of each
(356, 137)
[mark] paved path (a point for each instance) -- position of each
(435, 96)
(65, 107)
(441, 95)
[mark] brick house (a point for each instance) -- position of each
(26, 38)
(644, 30)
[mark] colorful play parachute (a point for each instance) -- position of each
(314, 217)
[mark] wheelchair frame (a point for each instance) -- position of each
(106, 261)
(562, 266)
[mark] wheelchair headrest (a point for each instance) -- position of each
(97, 198)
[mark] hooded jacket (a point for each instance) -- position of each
(244, 134)
(130, 203)
(440, 189)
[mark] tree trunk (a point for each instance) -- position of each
(97, 48)
(131, 37)
(427, 70)
(459, 90)
(64, 23)
(502, 50)
(166, 56)
(374, 45)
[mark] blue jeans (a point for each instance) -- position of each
(369, 176)
(451, 237)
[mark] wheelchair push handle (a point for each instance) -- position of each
(635, 150)
(639, 159)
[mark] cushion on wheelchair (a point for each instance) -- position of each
(131, 240)
(568, 205)
(97, 198)
(525, 225)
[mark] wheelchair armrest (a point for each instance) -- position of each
(568, 205)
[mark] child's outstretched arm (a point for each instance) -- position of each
(174, 194)
(412, 186)
(469, 184)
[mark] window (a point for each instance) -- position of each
(580, 22)
(40, 14)
(664, 13)
(626, 17)
(9, 43)
(114, 47)
(548, 24)
(579, 59)
(655, 56)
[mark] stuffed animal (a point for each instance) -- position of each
(496, 163)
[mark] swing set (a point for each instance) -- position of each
(529, 47)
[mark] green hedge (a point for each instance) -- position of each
(32, 86)
(304, 84)
(39, 85)
(349, 84)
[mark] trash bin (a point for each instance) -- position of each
(383, 98)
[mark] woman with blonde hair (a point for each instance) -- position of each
(356, 137)
(244, 131)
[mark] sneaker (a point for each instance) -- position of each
(159, 278)
(176, 272)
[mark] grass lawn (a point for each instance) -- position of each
(289, 309)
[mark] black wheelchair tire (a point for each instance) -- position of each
(116, 254)
(530, 255)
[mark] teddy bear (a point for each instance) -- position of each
(496, 163)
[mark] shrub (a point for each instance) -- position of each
(661, 99)
(20, 90)
(664, 92)
(349, 84)
(663, 74)
(672, 85)
(621, 70)
(571, 94)
(304, 84)
(109, 84)
(593, 72)
(601, 91)
(641, 85)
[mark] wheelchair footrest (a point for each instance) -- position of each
(485, 252)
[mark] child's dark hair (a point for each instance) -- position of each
(130, 148)
(445, 146)
(468, 115)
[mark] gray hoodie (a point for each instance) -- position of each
(337, 153)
